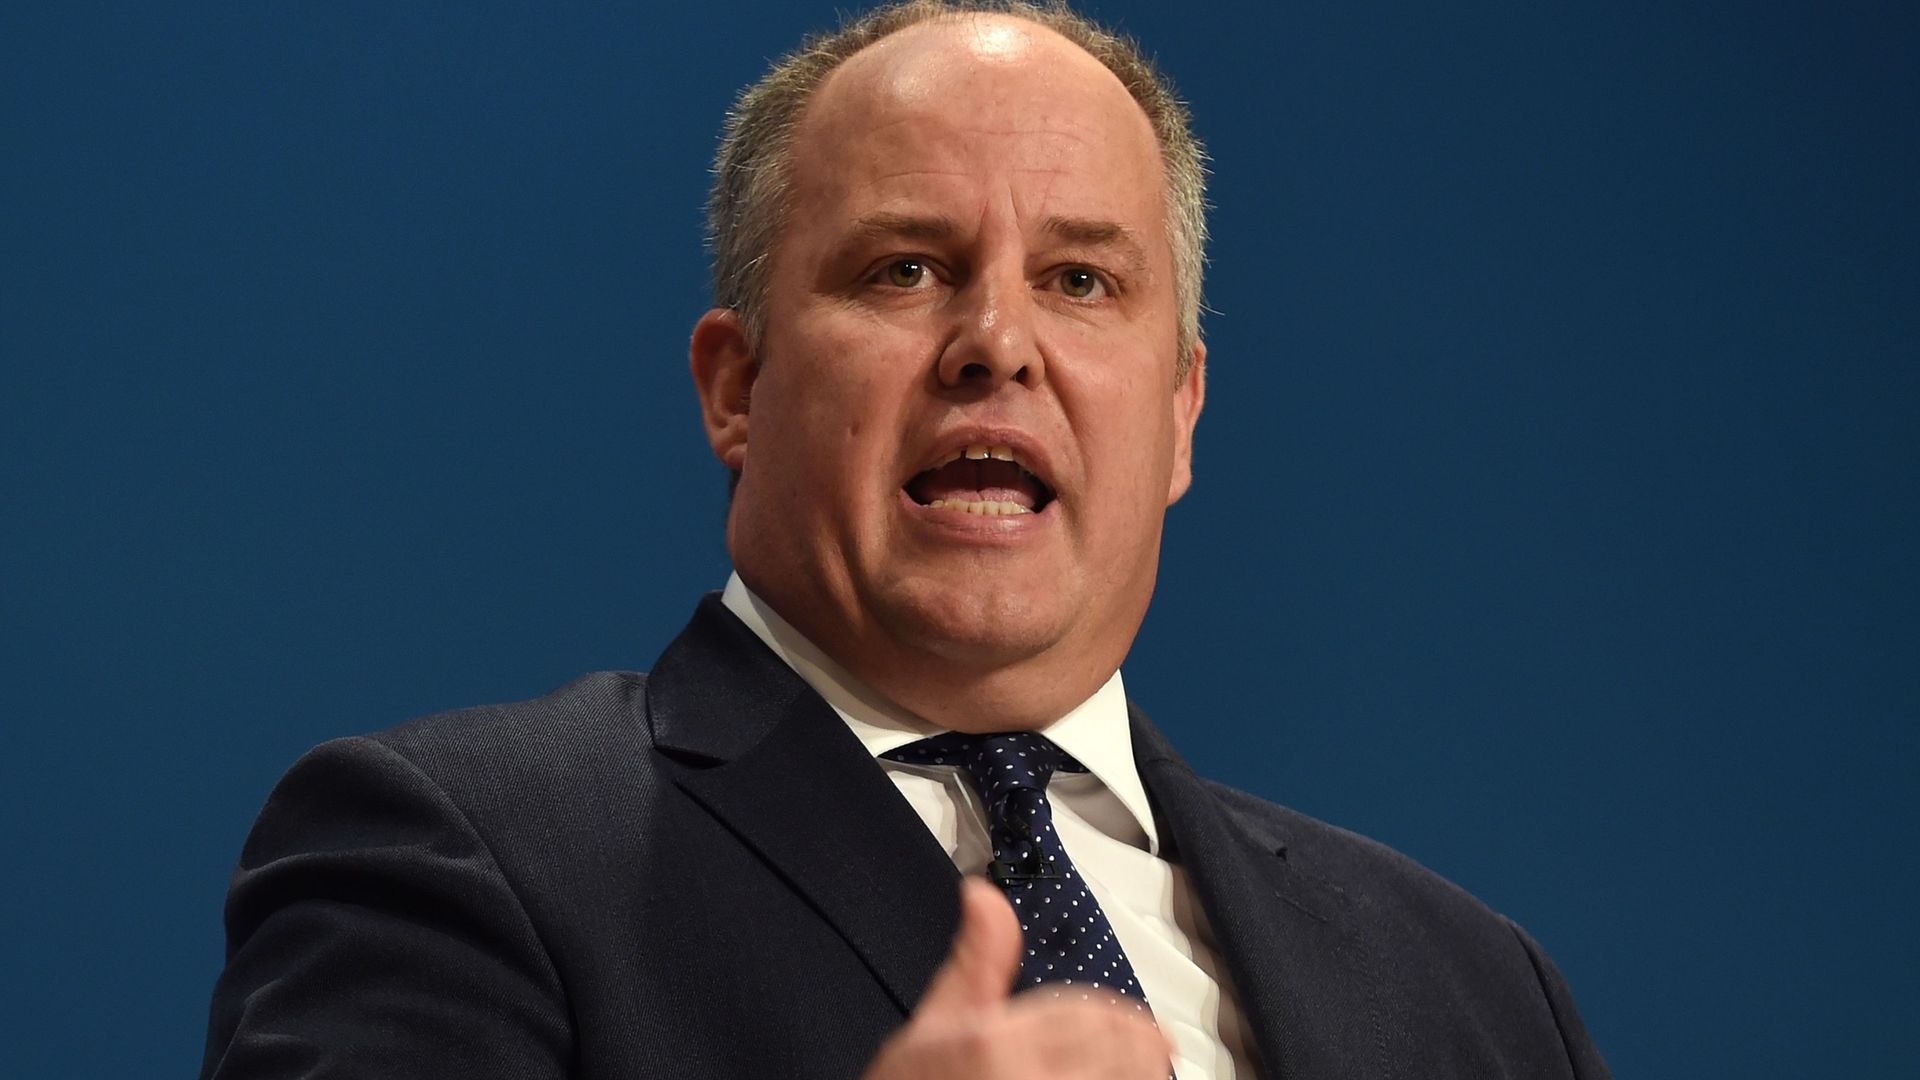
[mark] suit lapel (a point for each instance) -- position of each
(772, 761)
(1298, 969)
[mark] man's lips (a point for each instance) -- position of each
(990, 479)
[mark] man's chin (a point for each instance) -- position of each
(973, 630)
(984, 683)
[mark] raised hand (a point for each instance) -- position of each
(969, 1026)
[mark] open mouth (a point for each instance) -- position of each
(985, 480)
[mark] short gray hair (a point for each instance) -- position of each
(747, 207)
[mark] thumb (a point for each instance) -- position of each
(985, 957)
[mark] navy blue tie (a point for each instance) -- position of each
(1068, 938)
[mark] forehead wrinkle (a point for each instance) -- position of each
(1042, 130)
(928, 137)
(883, 112)
(883, 178)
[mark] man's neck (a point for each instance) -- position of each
(1096, 730)
(937, 682)
(848, 694)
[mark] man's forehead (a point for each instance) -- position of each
(953, 96)
(992, 64)
(921, 60)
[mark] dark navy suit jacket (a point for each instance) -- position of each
(700, 873)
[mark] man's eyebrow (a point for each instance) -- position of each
(1081, 232)
(1090, 232)
(886, 225)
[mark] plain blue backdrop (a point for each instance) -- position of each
(1555, 504)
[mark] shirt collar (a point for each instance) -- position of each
(1095, 732)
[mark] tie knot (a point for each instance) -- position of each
(998, 763)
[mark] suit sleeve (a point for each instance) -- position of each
(371, 933)
(1582, 1055)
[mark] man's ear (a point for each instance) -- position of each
(724, 368)
(1188, 397)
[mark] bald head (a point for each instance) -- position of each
(748, 207)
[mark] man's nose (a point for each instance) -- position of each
(995, 340)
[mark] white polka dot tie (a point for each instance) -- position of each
(1068, 938)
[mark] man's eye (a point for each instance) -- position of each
(1080, 283)
(905, 273)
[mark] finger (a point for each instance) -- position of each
(1093, 1034)
(1072, 1031)
(985, 956)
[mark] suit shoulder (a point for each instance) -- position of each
(589, 713)
(589, 735)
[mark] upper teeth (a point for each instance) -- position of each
(981, 452)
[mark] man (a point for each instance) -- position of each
(955, 367)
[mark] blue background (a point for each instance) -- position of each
(1555, 514)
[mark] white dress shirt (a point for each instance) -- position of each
(1103, 820)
